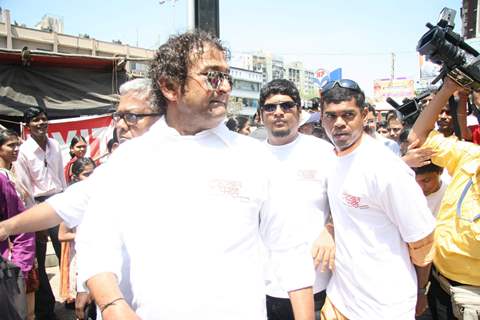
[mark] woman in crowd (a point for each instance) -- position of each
(20, 249)
(81, 170)
(239, 124)
(78, 149)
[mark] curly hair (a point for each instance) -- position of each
(174, 58)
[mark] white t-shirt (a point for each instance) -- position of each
(189, 214)
(377, 208)
(309, 160)
(435, 199)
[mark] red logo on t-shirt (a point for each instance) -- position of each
(353, 201)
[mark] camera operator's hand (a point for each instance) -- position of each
(451, 86)
(417, 157)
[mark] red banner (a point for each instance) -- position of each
(96, 130)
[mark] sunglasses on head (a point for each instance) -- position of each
(285, 106)
(344, 83)
(215, 79)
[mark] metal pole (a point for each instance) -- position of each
(190, 15)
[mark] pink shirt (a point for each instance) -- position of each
(41, 172)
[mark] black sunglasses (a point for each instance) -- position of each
(285, 106)
(132, 118)
(344, 83)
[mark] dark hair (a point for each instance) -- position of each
(338, 95)
(236, 123)
(74, 141)
(174, 58)
(371, 108)
(6, 135)
(428, 168)
(280, 86)
(382, 124)
(33, 112)
(403, 136)
(79, 165)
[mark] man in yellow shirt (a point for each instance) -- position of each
(457, 235)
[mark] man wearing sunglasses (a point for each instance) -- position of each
(195, 217)
(136, 111)
(308, 160)
(383, 227)
(457, 259)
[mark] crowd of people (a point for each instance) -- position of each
(344, 213)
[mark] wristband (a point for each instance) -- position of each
(424, 291)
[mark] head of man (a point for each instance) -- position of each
(394, 127)
(280, 109)
(445, 121)
(36, 120)
(382, 129)
(343, 114)
(191, 81)
(370, 121)
(428, 178)
(136, 111)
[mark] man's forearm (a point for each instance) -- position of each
(427, 118)
(302, 304)
(423, 274)
(40, 217)
(106, 293)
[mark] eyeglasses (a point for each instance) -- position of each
(344, 83)
(132, 118)
(215, 79)
(285, 106)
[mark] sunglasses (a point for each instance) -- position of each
(131, 118)
(216, 78)
(285, 106)
(344, 83)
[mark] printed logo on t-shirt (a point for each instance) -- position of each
(308, 175)
(230, 188)
(353, 201)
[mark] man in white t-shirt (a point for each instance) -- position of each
(307, 160)
(383, 227)
(429, 178)
(182, 209)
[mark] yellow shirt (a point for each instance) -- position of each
(457, 239)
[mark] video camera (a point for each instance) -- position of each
(410, 109)
(442, 46)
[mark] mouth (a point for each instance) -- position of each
(218, 103)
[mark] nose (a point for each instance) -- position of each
(339, 122)
(121, 125)
(224, 86)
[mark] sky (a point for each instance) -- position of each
(358, 36)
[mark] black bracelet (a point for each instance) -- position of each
(111, 303)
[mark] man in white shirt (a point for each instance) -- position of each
(429, 178)
(39, 167)
(370, 127)
(383, 227)
(308, 160)
(187, 214)
(135, 114)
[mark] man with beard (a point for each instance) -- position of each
(383, 227)
(188, 216)
(370, 127)
(308, 160)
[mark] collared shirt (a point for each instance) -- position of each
(189, 213)
(457, 238)
(40, 171)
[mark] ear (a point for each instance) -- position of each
(169, 90)
(364, 112)
(260, 113)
